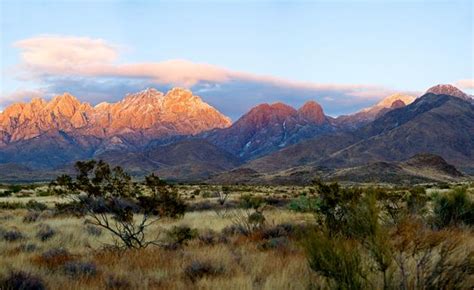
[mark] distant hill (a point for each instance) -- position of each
(436, 124)
(421, 168)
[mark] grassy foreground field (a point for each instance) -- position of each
(299, 244)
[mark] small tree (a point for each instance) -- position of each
(112, 201)
(164, 199)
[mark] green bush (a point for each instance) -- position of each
(180, 235)
(304, 204)
(337, 259)
(5, 193)
(35, 205)
(12, 205)
(453, 208)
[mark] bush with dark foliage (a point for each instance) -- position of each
(198, 269)
(76, 269)
(19, 280)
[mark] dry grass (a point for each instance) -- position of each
(237, 262)
(243, 264)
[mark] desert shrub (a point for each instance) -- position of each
(35, 205)
(180, 235)
(11, 205)
(75, 269)
(208, 237)
(304, 204)
(335, 204)
(27, 248)
(234, 229)
(93, 231)
(164, 201)
(12, 236)
(19, 280)
(54, 257)
(5, 193)
(249, 217)
(117, 283)
(73, 207)
(416, 200)
(453, 208)
(365, 226)
(279, 243)
(207, 194)
(431, 259)
(280, 230)
(31, 216)
(15, 188)
(45, 233)
(198, 269)
(337, 259)
(45, 192)
(201, 206)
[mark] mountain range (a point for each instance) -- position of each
(179, 136)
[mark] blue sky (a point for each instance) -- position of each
(344, 54)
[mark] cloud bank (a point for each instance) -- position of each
(91, 69)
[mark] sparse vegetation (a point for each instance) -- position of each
(326, 236)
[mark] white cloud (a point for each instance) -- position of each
(20, 95)
(81, 56)
(465, 84)
(57, 54)
(84, 65)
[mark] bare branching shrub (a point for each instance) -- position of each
(430, 259)
(19, 280)
(114, 203)
(116, 215)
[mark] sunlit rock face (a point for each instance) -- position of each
(148, 113)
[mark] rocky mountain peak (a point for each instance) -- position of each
(149, 114)
(181, 95)
(312, 112)
(145, 96)
(450, 90)
(388, 101)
